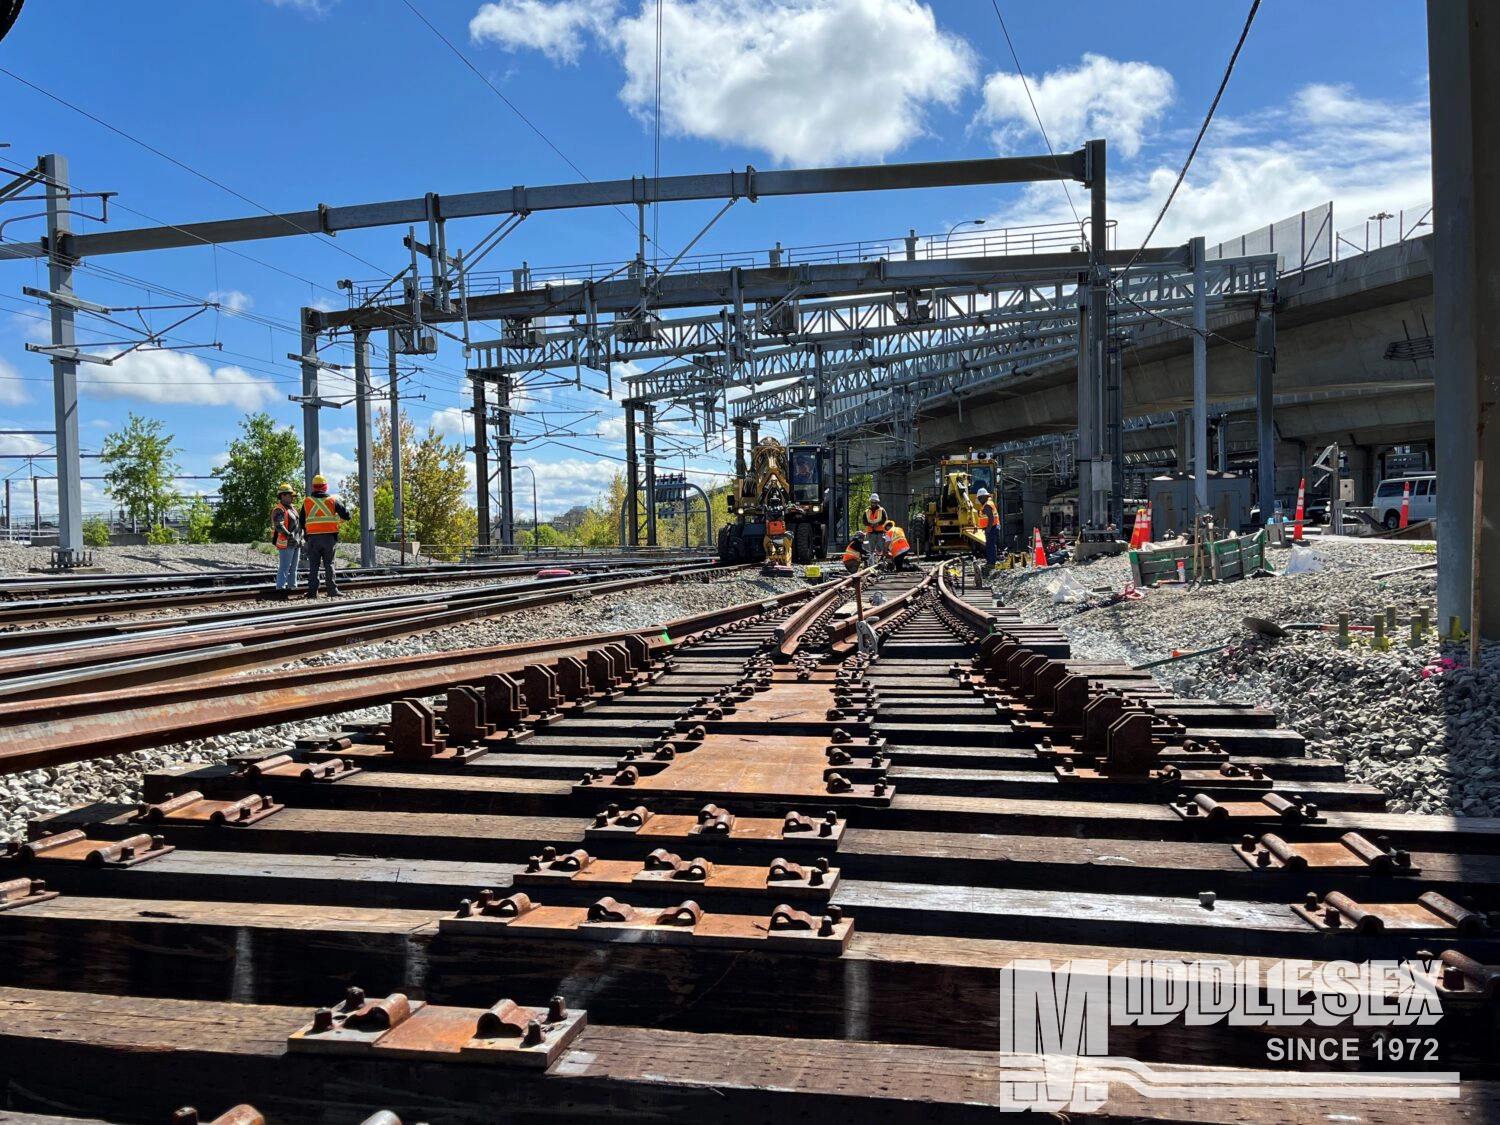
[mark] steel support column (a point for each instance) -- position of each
(632, 476)
(364, 437)
(1265, 417)
(1200, 377)
(505, 454)
(310, 444)
(1099, 486)
(398, 500)
(648, 428)
(1116, 435)
(1463, 40)
(64, 368)
(481, 451)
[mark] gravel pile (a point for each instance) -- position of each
(39, 792)
(1414, 722)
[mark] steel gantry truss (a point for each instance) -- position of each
(445, 301)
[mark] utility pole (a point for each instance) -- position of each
(60, 264)
(309, 398)
(632, 476)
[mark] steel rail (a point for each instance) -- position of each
(244, 650)
(98, 724)
(21, 611)
(982, 622)
(794, 630)
(841, 637)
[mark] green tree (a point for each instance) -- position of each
(140, 462)
(434, 479)
(200, 521)
(545, 536)
(160, 535)
(96, 532)
(262, 458)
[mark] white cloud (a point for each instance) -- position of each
(1101, 97)
(556, 29)
(324, 304)
(232, 300)
(35, 327)
(12, 386)
(451, 421)
(167, 377)
(562, 484)
(318, 8)
(1326, 143)
(806, 81)
(23, 443)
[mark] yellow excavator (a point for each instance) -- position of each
(952, 514)
(778, 508)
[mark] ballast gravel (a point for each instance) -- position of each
(1416, 722)
(37, 793)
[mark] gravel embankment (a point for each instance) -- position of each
(38, 792)
(1415, 722)
(182, 558)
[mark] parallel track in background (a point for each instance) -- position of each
(958, 839)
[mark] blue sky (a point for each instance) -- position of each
(295, 102)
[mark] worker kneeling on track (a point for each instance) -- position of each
(322, 516)
(900, 549)
(855, 554)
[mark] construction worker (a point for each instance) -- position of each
(286, 537)
(989, 523)
(900, 549)
(322, 516)
(875, 521)
(854, 554)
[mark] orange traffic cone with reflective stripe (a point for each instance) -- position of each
(1039, 556)
(1405, 504)
(1138, 532)
(1301, 508)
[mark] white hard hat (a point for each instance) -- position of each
(982, 491)
(874, 498)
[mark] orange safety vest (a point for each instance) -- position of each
(875, 520)
(899, 545)
(320, 516)
(280, 538)
(851, 555)
(988, 515)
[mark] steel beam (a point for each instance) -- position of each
(505, 451)
(748, 184)
(398, 500)
(632, 477)
(648, 428)
(310, 443)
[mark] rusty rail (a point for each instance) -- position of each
(100, 724)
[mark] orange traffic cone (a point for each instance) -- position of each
(1039, 555)
(1405, 503)
(1138, 532)
(1297, 522)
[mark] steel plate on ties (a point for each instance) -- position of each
(677, 828)
(622, 874)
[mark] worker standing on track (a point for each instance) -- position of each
(854, 554)
(875, 521)
(322, 516)
(900, 549)
(286, 537)
(989, 523)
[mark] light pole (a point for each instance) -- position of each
(954, 227)
(1379, 218)
(536, 524)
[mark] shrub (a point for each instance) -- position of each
(161, 536)
(95, 532)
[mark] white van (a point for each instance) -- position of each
(1387, 503)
